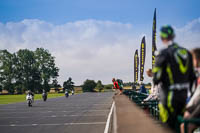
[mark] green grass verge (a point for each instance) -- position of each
(7, 99)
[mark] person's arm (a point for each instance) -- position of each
(195, 99)
(158, 68)
(150, 96)
(196, 112)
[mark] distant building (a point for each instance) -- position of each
(4, 92)
(53, 90)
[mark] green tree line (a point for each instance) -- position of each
(92, 86)
(27, 70)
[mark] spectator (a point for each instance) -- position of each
(120, 83)
(174, 72)
(115, 86)
(142, 88)
(134, 87)
(193, 107)
(154, 88)
(196, 62)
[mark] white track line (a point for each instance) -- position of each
(54, 124)
(55, 107)
(54, 111)
(32, 112)
(53, 116)
(114, 120)
(108, 120)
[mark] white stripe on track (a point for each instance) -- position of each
(109, 117)
(54, 124)
(114, 120)
(53, 111)
(54, 116)
(53, 108)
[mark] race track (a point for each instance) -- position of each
(81, 113)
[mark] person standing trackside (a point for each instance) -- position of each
(193, 106)
(174, 72)
(115, 86)
(154, 89)
(120, 83)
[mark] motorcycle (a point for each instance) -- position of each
(44, 96)
(29, 99)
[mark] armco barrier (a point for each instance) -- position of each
(152, 107)
(188, 121)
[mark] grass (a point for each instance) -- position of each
(7, 99)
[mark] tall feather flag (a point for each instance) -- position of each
(136, 64)
(142, 58)
(154, 39)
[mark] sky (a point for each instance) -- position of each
(95, 39)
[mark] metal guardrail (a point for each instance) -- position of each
(188, 121)
(152, 107)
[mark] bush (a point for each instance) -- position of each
(109, 86)
(89, 85)
(99, 86)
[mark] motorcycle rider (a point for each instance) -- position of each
(44, 95)
(72, 91)
(174, 72)
(29, 98)
(66, 93)
(32, 94)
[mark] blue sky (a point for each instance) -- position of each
(95, 39)
(137, 12)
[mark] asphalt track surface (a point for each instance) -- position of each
(81, 113)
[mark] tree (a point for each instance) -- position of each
(89, 85)
(148, 84)
(109, 86)
(55, 84)
(99, 86)
(26, 70)
(69, 84)
(1, 88)
(7, 72)
(128, 84)
(46, 67)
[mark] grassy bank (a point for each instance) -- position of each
(6, 99)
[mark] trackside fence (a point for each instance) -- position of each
(151, 107)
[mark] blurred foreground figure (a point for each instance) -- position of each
(193, 107)
(174, 72)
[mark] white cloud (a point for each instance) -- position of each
(189, 35)
(87, 49)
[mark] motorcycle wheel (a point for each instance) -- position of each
(29, 104)
(45, 99)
